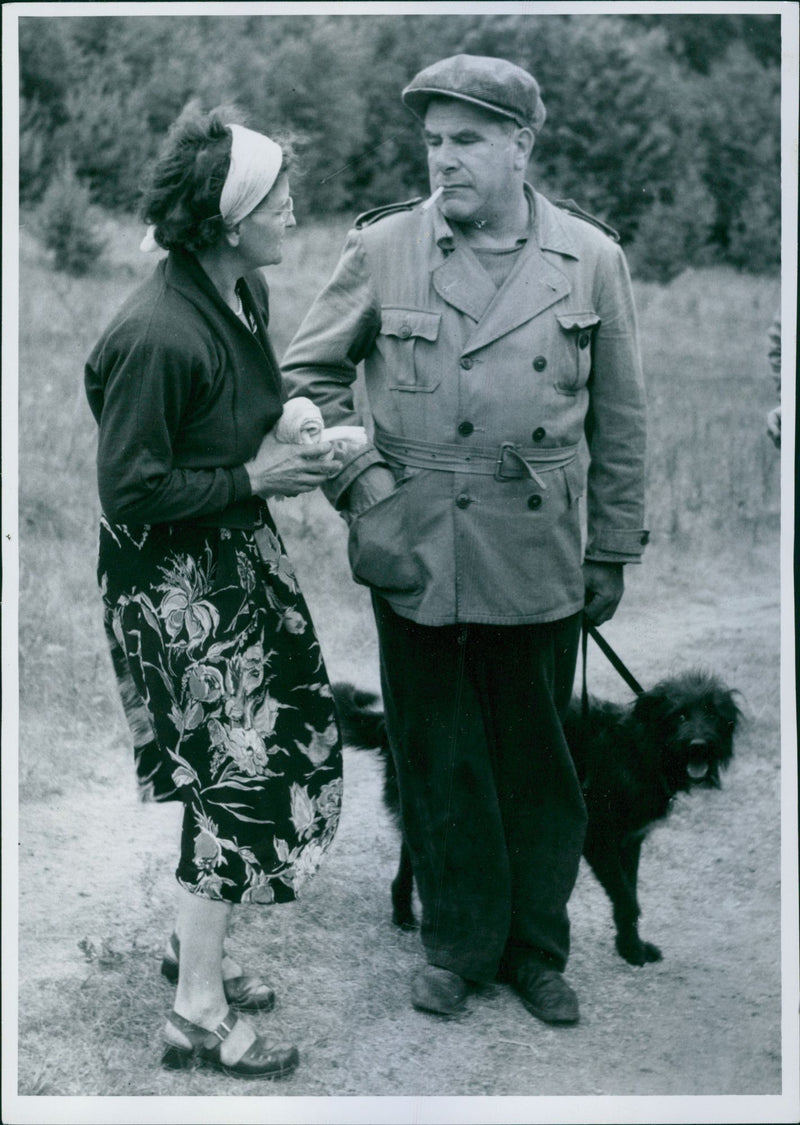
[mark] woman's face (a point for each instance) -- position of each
(261, 232)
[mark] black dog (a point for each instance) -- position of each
(631, 762)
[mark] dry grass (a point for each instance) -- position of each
(713, 475)
(713, 488)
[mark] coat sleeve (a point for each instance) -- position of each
(146, 389)
(320, 363)
(615, 422)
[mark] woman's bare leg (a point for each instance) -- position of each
(200, 998)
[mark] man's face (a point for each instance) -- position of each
(475, 156)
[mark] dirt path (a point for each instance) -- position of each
(704, 1021)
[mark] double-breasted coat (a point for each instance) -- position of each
(480, 398)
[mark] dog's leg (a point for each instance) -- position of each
(628, 940)
(604, 856)
(402, 888)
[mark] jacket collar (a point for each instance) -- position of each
(548, 227)
(534, 284)
(183, 272)
(551, 231)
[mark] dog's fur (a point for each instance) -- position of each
(631, 762)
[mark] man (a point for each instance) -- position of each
(774, 357)
(493, 326)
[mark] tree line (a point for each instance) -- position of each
(666, 126)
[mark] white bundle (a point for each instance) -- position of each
(301, 424)
(345, 438)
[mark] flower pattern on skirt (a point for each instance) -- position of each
(228, 701)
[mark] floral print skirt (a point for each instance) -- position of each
(227, 698)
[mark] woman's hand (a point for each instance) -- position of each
(280, 469)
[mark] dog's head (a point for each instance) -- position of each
(692, 720)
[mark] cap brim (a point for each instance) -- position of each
(417, 101)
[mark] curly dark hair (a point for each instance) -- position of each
(181, 199)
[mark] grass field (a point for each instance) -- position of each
(707, 589)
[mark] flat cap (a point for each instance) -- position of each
(493, 84)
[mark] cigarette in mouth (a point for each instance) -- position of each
(430, 202)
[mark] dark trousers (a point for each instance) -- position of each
(492, 810)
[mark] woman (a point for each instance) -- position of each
(219, 669)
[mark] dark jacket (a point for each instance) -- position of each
(183, 393)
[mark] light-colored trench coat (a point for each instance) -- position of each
(455, 371)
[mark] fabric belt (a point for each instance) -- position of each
(507, 461)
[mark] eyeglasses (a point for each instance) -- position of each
(285, 212)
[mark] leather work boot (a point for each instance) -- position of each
(439, 991)
(544, 992)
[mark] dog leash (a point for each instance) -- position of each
(617, 664)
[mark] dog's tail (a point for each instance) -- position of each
(363, 728)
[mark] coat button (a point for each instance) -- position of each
(466, 363)
(463, 501)
(538, 433)
(465, 429)
(539, 363)
(583, 340)
(534, 502)
(405, 331)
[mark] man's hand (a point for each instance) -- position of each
(604, 583)
(367, 489)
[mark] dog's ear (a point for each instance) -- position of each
(652, 708)
(727, 708)
(729, 715)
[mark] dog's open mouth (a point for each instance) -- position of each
(697, 770)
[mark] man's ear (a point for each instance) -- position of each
(233, 235)
(524, 140)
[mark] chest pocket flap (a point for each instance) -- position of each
(575, 354)
(573, 321)
(406, 323)
(407, 335)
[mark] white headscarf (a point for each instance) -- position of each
(255, 163)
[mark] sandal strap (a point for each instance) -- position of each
(202, 1036)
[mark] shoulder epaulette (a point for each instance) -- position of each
(572, 208)
(369, 217)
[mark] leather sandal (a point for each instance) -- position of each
(247, 992)
(260, 1060)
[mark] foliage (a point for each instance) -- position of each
(648, 115)
(674, 231)
(754, 236)
(699, 40)
(66, 222)
(36, 144)
(741, 145)
(616, 136)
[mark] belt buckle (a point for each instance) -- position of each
(525, 468)
(498, 471)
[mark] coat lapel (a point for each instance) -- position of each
(185, 274)
(461, 281)
(534, 284)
